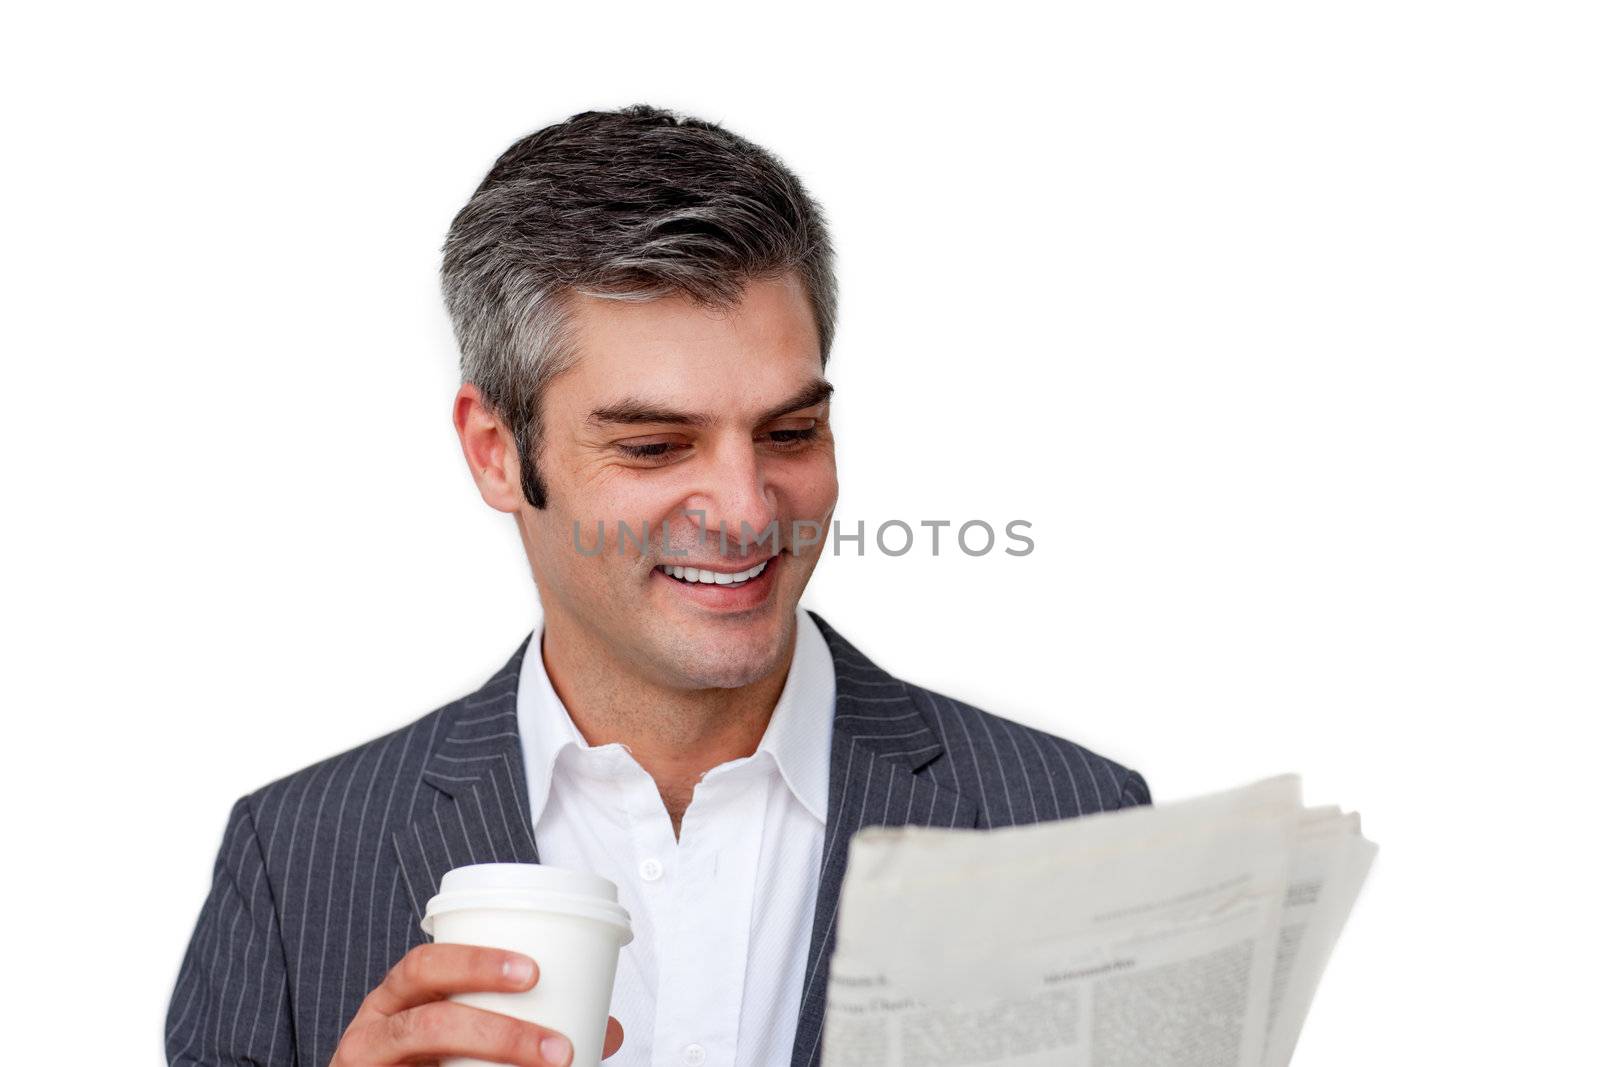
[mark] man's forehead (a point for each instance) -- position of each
(672, 360)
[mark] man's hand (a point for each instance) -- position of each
(406, 1020)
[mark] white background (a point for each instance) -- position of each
(1277, 321)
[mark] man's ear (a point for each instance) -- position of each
(490, 450)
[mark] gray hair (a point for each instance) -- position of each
(633, 204)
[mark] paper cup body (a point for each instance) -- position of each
(569, 922)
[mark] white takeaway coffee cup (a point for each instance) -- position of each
(568, 921)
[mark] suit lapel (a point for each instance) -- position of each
(480, 807)
(880, 740)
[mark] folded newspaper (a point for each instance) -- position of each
(1190, 934)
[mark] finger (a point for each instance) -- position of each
(433, 971)
(613, 1037)
(446, 1028)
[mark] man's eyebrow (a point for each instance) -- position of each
(813, 394)
(632, 411)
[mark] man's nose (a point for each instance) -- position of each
(739, 503)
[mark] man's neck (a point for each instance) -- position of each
(676, 735)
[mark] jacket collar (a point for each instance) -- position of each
(880, 739)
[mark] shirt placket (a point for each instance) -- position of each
(656, 869)
(715, 877)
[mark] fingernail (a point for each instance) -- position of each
(556, 1050)
(518, 969)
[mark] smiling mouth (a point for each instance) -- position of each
(705, 576)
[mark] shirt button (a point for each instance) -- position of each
(650, 870)
(694, 1055)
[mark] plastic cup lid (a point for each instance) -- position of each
(529, 887)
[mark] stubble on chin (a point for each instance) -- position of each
(702, 661)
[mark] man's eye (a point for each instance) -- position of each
(783, 438)
(652, 450)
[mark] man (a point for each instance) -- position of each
(645, 306)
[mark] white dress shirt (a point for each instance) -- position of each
(721, 915)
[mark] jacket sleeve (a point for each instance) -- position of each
(1134, 791)
(231, 1004)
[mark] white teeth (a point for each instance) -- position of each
(710, 577)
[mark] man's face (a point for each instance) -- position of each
(674, 409)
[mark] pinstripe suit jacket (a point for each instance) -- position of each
(320, 882)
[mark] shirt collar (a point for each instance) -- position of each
(799, 736)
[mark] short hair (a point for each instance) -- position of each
(633, 204)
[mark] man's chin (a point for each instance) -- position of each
(729, 657)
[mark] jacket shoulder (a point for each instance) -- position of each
(1019, 773)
